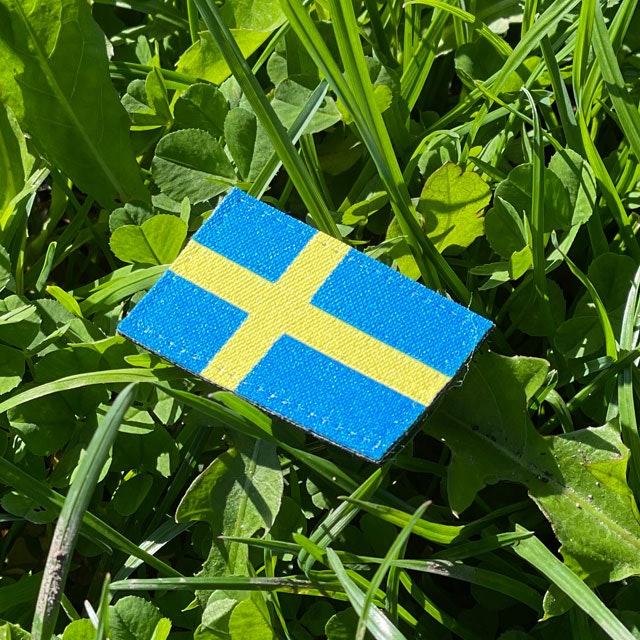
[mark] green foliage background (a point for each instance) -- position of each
(490, 150)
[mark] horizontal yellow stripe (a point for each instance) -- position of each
(284, 307)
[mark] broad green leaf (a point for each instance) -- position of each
(250, 619)
(238, 494)
(601, 543)
(452, 202)
(485, 424)
(204, 61)
(9, 631)
(290, 97)
(131, 213)
(131, 493)
(45, 425)
(55, 78)
(191, 164)
(505, 228)
(5, 268)
(612, 276)
(11, 368)
(157, 240)
(517, 191)
(82, 629)
(256, 15)
(528, 315)
(12, 173)
(578, 179)
(247, 142)
(201, 106)
(134, 618)
(19, 322)
(578, 479)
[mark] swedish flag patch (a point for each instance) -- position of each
(304, 326)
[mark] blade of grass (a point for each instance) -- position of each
(429, 607)
(541, 559)
(378, 624)
(537, 219)
(272, 166)
(233, 583)
(611, 348)
(626, 405)
(626, 108)
(395, 551)
(337, 519)
(500, 45)
(267, 116)
(434, 532)
(75, 505)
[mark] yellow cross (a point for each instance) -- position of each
(283, 307)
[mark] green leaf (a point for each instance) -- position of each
(131, 213)
(55, 78)
(45, 425)
(579, 181)
(505, 228)
(19, 322)
(5, 268)
(591, 506)
(131, 493)
(12, 173)
(578, 479)
(201, 106)
(256, 15)
(247, 141)
(157, 241)
(250, 619)
(82, 629)
(517, 190)
(191, 164)
(238, 494)
(11, 368)
(204, 61)
(290, 97)
(134, 618)
(452, 203)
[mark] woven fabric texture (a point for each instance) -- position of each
(305, 327)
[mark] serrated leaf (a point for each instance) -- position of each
(55, 78)
(131, 213)
(201, 106)
(247, 142)
(290, 97)
(82, 629)
(156, 241)
(250, 619)
(577, 479)
(517, 190)
(45, 425)
(238, 494)
(579, 181)
(190, 163)
(11, 368)
(134, 618)
(452, 202)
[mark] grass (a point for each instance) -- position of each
(512, 512)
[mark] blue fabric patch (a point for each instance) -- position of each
(182, 322)
(246, 231)
(404, 314)
(330, 399)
